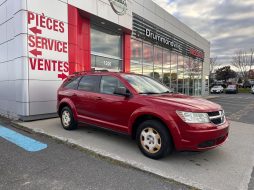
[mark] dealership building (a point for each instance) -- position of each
(43, 41)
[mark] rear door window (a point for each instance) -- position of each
(89, 83)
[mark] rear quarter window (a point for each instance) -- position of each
(72, 84)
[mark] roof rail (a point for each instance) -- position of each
(79, 72)
(100, 70)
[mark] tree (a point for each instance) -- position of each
(225, 73)
(244, 61)
(240, 80)
(213, 64)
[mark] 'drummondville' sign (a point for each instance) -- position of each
(119, 6)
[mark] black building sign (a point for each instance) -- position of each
(154, 34)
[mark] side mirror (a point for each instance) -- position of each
(122, 91)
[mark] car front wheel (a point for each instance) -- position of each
(154, 139)
(67, 119)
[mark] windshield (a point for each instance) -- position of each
(146, 85)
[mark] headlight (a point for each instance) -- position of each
(191, 117)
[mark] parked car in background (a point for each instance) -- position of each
(217, 89)
(143, 108)
(231, 89)
(252, 90)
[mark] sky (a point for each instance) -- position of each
(227, 24)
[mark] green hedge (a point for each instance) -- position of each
(244, 90)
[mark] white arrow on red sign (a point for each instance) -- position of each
(35, 30)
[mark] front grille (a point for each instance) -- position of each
(217, 117)
(215, 113)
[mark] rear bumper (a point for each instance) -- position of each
(231, 91)
(198, 140)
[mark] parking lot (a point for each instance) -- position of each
(238, 107)
(225, 168)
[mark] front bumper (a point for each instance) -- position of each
(215, 91)
(204, 139)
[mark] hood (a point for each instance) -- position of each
(186, 103)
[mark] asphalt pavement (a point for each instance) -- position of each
(64, 167)
(238, 107)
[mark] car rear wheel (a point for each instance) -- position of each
(67, 119)
(153, 139)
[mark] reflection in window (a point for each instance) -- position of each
(166, 68)
(89, 83)
(157, 67)
(187, 75)
(136, 56)
(180, 73)
(147, 60)
(173, 74)
(100, 63)
(106, 42)
(106, 49)
(72, 84)
(109, 84)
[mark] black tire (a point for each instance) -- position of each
(166, 143)
(72, 124)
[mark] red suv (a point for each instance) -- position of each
(143, 108)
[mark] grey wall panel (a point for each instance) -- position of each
(21, 88)
(38, 108)
(43, 90)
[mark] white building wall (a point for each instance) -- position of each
(25, 91)
(13, 50)
(102, 8)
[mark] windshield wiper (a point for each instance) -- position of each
(167, 92)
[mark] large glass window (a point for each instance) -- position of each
(148, 60)
(166, 68)
(100, 62)
(157, 67)
(106, 49)
(136, 56)
(173, 74)
(181, 74)
(187, 69)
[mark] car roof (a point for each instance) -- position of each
(102, 72)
